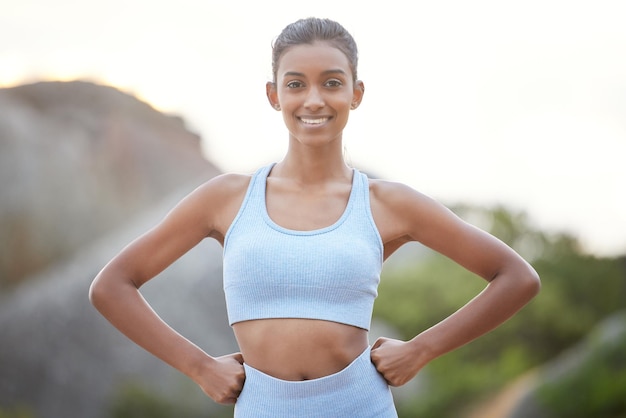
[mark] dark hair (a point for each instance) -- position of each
(310, 30)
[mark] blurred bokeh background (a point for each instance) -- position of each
(512, 114)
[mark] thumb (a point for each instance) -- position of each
(378, 342)
(238, 357)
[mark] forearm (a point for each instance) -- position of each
(125, 308)
(499, 301)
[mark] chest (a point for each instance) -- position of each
(335, 258)
(303, 209)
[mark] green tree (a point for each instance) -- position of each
(578, 290)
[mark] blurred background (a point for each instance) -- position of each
(512, 114)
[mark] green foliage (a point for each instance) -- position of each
(596, 388)
(578, 290)
(16, 412)
(136, 401)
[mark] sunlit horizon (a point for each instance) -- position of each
(484, 104)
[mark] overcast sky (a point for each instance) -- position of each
(483, 102)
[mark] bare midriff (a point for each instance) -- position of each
(299, 349)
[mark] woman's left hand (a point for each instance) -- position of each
(395, 360)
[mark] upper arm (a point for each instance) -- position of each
(403, 214)
(205, 212)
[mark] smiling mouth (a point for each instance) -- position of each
(314, 121)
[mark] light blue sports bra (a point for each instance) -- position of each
(330, 273)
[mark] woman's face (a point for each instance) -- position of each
(315, 91)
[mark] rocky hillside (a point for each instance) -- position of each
(59, 358)
(84, 169)
(77, 159)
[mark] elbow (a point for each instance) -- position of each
(522, 281)
(109, 287)
(530, 282)
(103, 290)
(97, 293)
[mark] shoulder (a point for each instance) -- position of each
(405, 213)
(217, 192)
(397, 196)
(387, 188)
(213, 204)
(225, 185)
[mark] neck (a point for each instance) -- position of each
(313, 167)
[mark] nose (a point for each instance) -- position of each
(314, 99)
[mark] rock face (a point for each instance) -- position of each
(583, 378)
(84, 170)
(584, 381)
(60, 358)
(77, 159)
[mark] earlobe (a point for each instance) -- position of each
(272, 95)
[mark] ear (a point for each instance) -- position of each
(357, 94)
(272, 95)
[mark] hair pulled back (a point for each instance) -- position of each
(310, 30)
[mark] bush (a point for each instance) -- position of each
(16, 412)
(578, 291)
(134, 400)
(596, 387)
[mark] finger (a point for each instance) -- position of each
(238, 357)
(374, 358)
(387, 379)
(230, 397)
(228, 401)
(378, 342)
(389, 382)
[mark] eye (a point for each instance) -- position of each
(294, 84)
(334, 83)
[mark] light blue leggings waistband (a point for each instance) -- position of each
(358, 391)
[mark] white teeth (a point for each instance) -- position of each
(314, 121)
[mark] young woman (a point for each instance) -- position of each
(304, 241)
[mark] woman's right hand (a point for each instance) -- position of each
(222, 379)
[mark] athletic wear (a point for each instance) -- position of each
(358, 391)
(329, 274)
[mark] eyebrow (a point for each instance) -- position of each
(326, 72)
